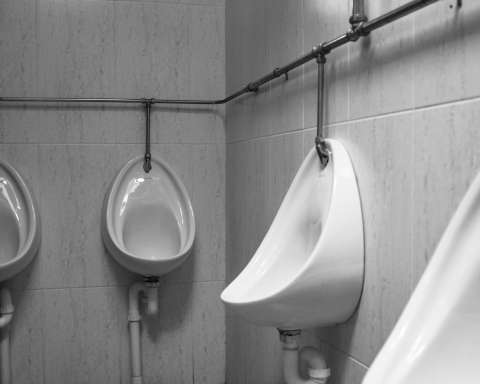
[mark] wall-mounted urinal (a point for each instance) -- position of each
(19, 223)
(437, 337)
(149, 228)
(148, 221)
(308, 270)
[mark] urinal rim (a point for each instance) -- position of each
(32, 242)
(331, 143)
(107, 231)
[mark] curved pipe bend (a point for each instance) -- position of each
(317, 367)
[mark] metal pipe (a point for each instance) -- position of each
(361, 30)
(320, 145)
(80, 100)
(358, 13)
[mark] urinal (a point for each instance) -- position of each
(437, 337)
(148, 220)
(308, 270)
(19, 223)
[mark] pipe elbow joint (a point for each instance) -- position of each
(308, 357)
(318, 371)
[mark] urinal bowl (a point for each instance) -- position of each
(148, 220)
(437, 337)
(19, 223)
(308, 270)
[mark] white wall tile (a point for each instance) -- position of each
(75, 51)
(208, 319)
(18, 58)
(445, 55)
(27, 335)
(87, 335)
(446, 162)
(381, 68)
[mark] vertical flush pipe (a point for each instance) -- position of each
(318, 373)
(358, 13)
(137, 292)
(6, 315)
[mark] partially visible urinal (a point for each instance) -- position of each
(437, 337)
(19, 223)
(308, 270)
(19, 242)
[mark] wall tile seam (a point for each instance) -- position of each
(345, 354)
(266, 137)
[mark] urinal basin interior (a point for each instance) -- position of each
(308, 270)
(19, 223)
(437, 337)
(149, 223)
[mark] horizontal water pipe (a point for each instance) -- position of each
(293, 357)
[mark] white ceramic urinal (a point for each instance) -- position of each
(437, 337)
(148, 221)
(308, 270)
(19, 223)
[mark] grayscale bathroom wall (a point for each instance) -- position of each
(406, 104)
(70, 323)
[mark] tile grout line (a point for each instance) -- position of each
(272, 135)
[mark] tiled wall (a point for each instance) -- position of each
(406, 104)
(70, 323)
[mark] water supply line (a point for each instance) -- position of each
(293, 358)
(358, 13)
(140, 292)
(6, 315)
(147, 162)
(320, 145)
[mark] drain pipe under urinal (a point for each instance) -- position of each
(139, 292)
(318, 373)
(6, 315)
